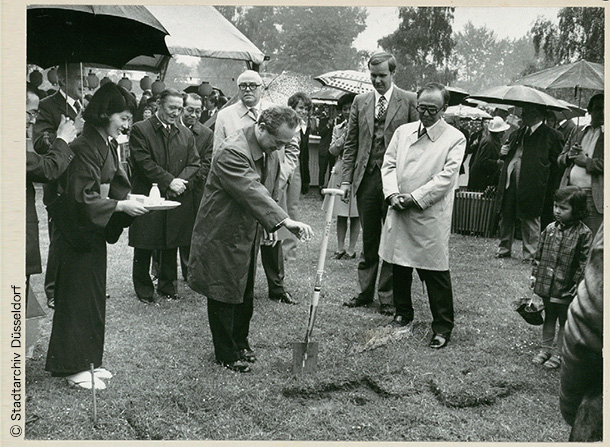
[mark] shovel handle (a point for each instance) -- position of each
(332, 191)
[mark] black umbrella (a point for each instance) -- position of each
(103, 34)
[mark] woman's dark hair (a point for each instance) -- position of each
(294, 100)
(108, 100)
(348, 98)
(577, 199)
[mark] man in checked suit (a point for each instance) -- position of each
(373, 119)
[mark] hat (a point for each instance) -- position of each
(531, 312)
(497, 124)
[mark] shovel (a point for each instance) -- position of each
(305, 355)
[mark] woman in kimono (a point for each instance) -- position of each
(91, 211)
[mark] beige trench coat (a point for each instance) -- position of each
(428, 169)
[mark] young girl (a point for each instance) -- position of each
(559, 266)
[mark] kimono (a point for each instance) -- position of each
(86, 219)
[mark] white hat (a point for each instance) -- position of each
(497, 124)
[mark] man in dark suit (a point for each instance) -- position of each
(527, 181)
(373, 119)
(583, 160)
(163, 152)
(204, 142)
(66, 102)
(238, 202)
(42, 169)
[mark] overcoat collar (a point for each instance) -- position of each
(434, 132)
(157, 124)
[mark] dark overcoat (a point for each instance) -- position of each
(538, 174)
(237, 201)
(204, 142)
(41, 169)
(484, 169)
(157, 158)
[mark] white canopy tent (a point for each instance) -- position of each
(199, 31)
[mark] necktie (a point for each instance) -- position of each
(422, 132)
(381, 107)
(77, 106)
(254, 113)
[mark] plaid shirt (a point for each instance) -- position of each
(560, 260)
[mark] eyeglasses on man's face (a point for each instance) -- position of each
(191, 110)
(251, 86)
(32, 114)
(431, 111)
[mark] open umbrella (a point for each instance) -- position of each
(456, 95)
(347, 80)
(467, 112)
(573, 111)
(103, 34)
(580, 74)
(520, 96)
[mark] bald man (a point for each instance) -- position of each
(232, 119)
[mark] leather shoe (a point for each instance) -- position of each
(248, 355)
(283, 298)
(439, 341)
(173, 296)
(386, 309)
(400, 321)
(355, 302)
(237, 366)
(147, 299)
(502, 255)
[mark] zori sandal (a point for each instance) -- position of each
(83, 380)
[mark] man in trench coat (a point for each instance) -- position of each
(162, 151)
(237, 201)
(419, 173)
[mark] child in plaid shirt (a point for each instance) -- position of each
(559, 266)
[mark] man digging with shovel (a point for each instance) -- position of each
(238, 200)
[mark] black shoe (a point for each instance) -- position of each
(502, 255)
(247, 355)
(285, 298)
(400, 321)
(386, 309)
(355, 302)
(237, 366)
(439, 341)
(147, 299)
(171, 297)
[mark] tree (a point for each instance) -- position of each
(307, 40)
(579, 35)
(422, 45)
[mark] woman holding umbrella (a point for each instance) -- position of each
(91, 211)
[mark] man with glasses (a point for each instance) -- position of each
(420, 172)
(162, 151)
(373, 119)
(232, 119)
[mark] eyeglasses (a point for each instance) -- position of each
(191, 110)
(33, 114)
(251, 87)
(431, 111)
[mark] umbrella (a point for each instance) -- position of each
(456, 95)
(347, 80)
(327, 95)
(467, 112)
(520, 96)
(573, 111)
(103, 34)
(581, 74)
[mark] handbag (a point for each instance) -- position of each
(531, 312)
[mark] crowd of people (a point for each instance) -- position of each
(239, 182)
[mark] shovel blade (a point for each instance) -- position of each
(301, 364)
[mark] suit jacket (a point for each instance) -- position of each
(157, 159)
(204, 142)
(40, 169)
(359, 138)
(49, 116)
(595, 166)
(237, 200)
(539, 171)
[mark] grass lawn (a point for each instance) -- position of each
(482, 387)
